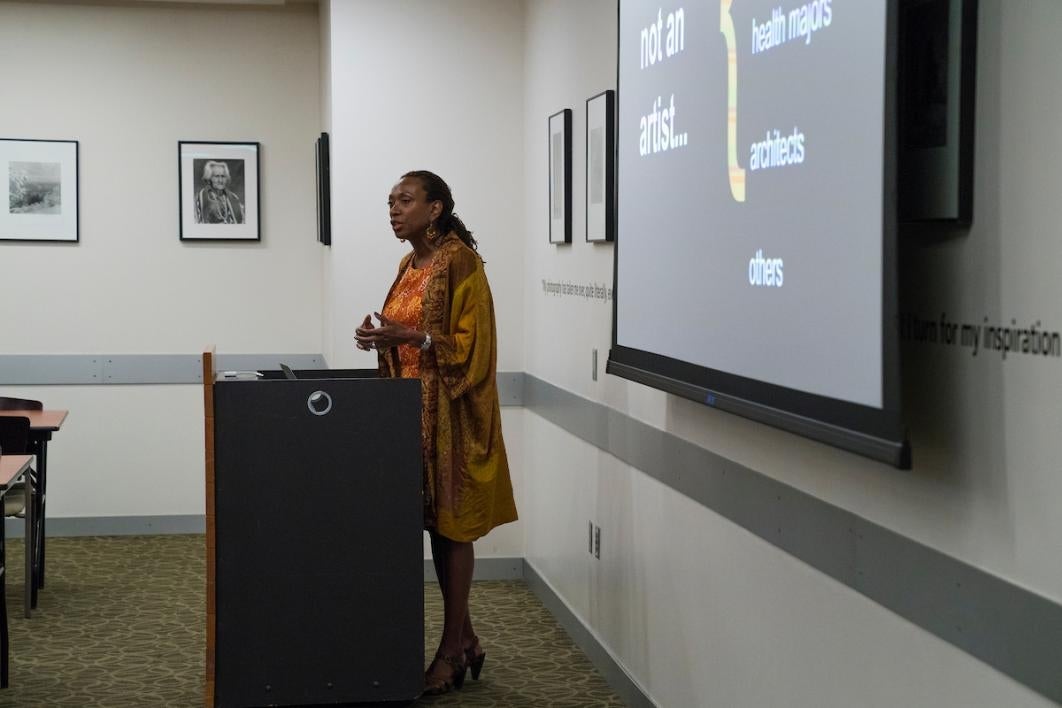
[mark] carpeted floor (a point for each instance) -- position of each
(121, 623)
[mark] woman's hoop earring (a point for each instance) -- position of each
(431, 233)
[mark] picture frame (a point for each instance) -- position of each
(218, 191)
(42, 203)
(559, 145)
(936, 82)
(601, 167)
(322, 161)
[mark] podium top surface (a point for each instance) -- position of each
(300, 375)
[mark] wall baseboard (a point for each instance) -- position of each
(143, 369)
(113, 525)
(615, 675)
(486, 569)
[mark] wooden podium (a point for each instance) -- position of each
(315, 575)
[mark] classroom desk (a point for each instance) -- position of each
(13, 468)
(42, 425)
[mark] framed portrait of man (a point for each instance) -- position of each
(218, 191)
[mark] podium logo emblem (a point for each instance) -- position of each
(319, 403)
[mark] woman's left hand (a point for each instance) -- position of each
(389, 333)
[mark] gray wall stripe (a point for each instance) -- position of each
(113, 525)
(78, 369)
(1006, 626)
(83, 369)
(511, 388)
(19, 369)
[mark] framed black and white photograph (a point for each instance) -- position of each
(218, 191)
(560, 177)
(324, 190)
(42, 198)
(600, 167)
(937, 77)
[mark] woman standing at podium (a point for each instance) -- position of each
(437, 324)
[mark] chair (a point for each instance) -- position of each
(9, 403)
(14, 440)
(20, 404)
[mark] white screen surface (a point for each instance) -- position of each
(750, 189)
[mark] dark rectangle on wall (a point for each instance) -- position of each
(937, 80)
(322, 159)
(559, 144)
(601, 167)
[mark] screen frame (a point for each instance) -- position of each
(875, 433)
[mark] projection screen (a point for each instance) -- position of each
(755, 252)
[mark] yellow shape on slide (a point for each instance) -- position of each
(736, 172)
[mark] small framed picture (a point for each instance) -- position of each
(42, 198)
(560, 177)
(218, 191)
(600, 167)
(324, 191)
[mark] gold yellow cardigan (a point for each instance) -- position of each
(467, 489)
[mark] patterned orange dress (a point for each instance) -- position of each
(467, 488)
(404, 307)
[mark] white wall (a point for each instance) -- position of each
(438, 86)
(701, 612)
(327, 308)
(128, 83)
(571, 56)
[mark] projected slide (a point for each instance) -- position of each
(750, 192)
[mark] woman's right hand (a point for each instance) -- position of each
(363, 333)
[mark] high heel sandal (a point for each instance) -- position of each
(435, 685)
(475, 660)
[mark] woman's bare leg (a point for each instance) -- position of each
(459, 561)
(454, 562)
(438, 559)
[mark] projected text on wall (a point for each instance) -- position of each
(750, 188)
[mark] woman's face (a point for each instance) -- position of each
(409, 208)
(218, 179)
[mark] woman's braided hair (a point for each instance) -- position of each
(448, 221)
